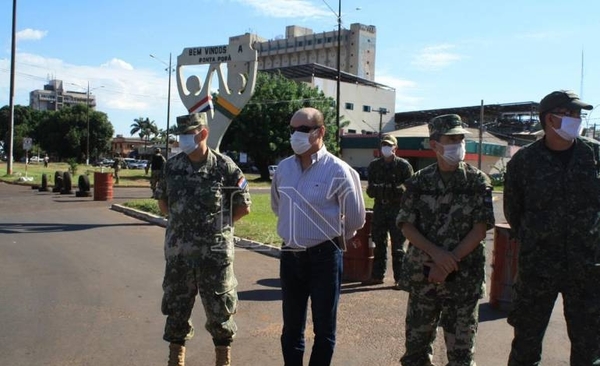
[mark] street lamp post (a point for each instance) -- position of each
(170, 71)
(87, 117)
(339, 77)
(381, 112)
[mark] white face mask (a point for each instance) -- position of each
(454, 153)
(386, 151)
(187, 143)
(570, 127)
(300, 142)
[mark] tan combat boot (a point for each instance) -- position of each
(176, 355)
(223, 355)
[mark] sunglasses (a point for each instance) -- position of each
(303, 128)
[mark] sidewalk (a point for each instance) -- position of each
(370, 323)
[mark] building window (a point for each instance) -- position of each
(319, 41)
(351, 131)
(350, 106)
(300, 43)
(308, 43)
(328, 39)
(366, 108)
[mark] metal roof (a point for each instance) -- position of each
(468, 113)
(323, 72)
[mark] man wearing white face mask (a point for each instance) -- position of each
(204, 193)
(445, 213)
(552, 203)
(318, 200)
(386, 176)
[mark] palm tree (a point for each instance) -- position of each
(144, 127)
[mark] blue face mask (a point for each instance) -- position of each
(187, 143)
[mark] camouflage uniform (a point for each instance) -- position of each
(554, 211)
(385, 186)
(156, 165)
(117, 168)
(444, 213)
(199, 249)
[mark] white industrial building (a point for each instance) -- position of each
(310, 57)
(53, 97)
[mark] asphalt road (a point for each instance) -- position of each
(80, 284)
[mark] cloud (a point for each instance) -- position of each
(116, 63)
(436, 57)
(405, 89)
(287, 8)
(31, 35)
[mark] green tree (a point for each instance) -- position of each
(261, 129)
(62, 133)
(144, 128)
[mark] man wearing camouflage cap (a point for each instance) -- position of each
(204, 193)
(552, 203)
(445, 213)
(386, 176)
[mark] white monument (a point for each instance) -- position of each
(234, 92)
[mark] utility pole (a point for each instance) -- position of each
(339, 77)
(13, 50)
(87, 117)
(381, 111)
(480, 150)
(170, 71)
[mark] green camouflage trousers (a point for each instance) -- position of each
(458, 318)
(535, 296)
(216, 287)
(154, 178)
(384, 221)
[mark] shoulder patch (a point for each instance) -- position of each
(242, 183)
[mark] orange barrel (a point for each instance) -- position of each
(504, 267)
(103, 186)
(358, 256)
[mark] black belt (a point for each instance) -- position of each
(314, 249)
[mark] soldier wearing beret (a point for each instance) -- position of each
(552, 203)
(445, 213)
(386, 176)
(204, 193)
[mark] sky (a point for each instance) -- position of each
(435, 53)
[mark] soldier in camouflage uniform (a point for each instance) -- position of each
(445, 213)
(156, 164)
(386, 176)
(552, 203)
(204, 193)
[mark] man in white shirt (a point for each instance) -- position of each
(319, 203)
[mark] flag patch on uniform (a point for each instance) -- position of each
(242, 183)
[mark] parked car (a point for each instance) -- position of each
(107, 163)
(137, 164)
(272, 169)
(129, 163)
(35, 159)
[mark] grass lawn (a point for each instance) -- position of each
(128, 177)
(260, 225)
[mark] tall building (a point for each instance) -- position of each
(302, 46)
(306, 56)
(53, 97)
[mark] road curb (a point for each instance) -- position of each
(268, 250)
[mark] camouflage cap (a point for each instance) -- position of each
(189, 122)
(563, 99)
(447, 124)
(389, 139)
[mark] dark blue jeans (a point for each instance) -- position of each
(316, 272)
